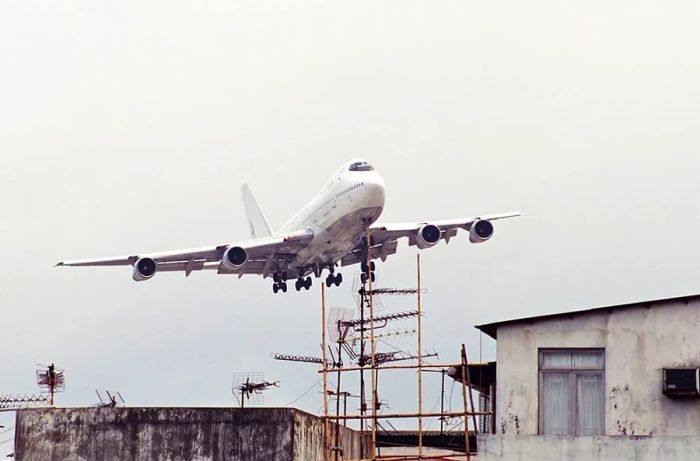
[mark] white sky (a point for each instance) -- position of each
(129, 126)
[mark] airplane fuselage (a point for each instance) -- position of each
(338, 216)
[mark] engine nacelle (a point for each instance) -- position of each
(234, 258)
(428, 236)
(481, 231)
(144, 269)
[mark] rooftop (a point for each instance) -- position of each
(491, 329)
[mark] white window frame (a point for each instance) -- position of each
(573, 372)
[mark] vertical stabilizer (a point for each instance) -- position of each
(259, 226)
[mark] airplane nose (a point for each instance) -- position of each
(375, 191)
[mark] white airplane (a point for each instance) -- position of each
(329, 230)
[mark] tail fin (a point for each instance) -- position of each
(259, 226)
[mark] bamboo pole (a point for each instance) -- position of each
(373, 347)
(464, 400)
(420, 365)
(452, 414)
(398, 367)
(326, 424)
(471, 395)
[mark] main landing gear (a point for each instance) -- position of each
(280, 282)
(367, 271)
(334, 279)
(302, 282)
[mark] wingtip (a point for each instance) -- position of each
(60, 263)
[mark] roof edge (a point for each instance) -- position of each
(491, 329)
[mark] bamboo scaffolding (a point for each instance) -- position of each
(326, 422)
(464, 398)
(420, 365)
(366, 301)
(373, 347)
(392, 367)
(452, 414)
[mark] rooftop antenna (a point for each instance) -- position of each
(9, 402)
(51, 380)
(110, 399)
(250, 386)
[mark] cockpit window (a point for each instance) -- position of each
(361, 166)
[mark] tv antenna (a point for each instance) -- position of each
(109, 399)
(250, 386)
(51, 380)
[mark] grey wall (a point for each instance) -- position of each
(150, 434)
(604, 448)
(638, 342)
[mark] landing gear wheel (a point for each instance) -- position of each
(275, 288)
(363, 266)
(338, 279)
(329, 281)
(307, 283)
(372, 276)
(283, 276)
(371, 266)
(363, 277)
(298, 284)
(276, 277)
(283, 287)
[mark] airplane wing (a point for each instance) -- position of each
(448, 227)
(263, 256)
(385, 236)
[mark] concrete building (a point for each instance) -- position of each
(158, 434)
(589, 384)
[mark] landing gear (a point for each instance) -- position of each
(367, 271)
(279, 286)
(278, 277)
(363, 266)
(334, 279)
(304, 283)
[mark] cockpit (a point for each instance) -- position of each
(361, 166)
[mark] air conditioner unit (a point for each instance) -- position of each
(681, 382)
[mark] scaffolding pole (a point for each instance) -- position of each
(373, 346)
(326, 423)
(420, 364)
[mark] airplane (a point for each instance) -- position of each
(330, 230)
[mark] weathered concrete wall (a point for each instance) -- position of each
(308, 439)
(602, 448)
(172, 434)
(638, 342)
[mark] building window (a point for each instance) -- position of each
(572, 391)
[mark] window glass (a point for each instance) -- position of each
(555, 404)
(572, 359)
(572, 392)
(361, 166)
(587, 359)
(590, 404)
(556, 360)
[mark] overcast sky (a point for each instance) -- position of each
(129, 126)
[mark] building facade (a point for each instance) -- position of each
(580, 377)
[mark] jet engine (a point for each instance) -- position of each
(144, 269)
(481, 231)
(428, 235)
(234, 258)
